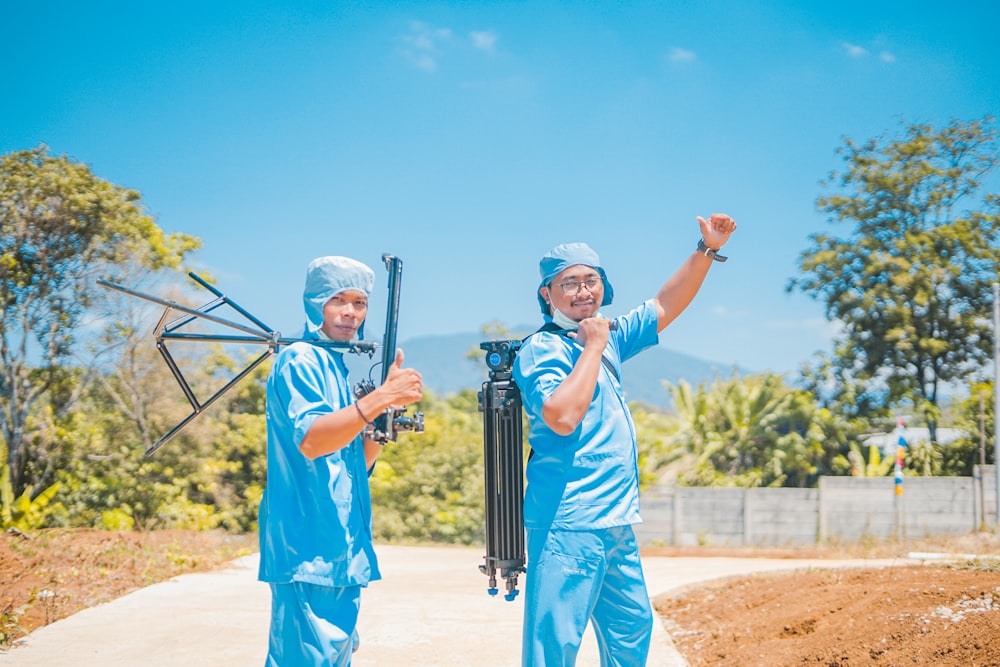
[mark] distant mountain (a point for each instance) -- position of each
(446, 369)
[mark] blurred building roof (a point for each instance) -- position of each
(913, 435)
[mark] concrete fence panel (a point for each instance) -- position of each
(781, 517)
(840, 509)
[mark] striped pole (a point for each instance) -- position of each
(900, 449)
(996, 399)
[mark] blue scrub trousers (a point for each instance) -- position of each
(313, 626)
(578, 576)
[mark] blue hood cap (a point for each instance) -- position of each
(564, 256)
(327, 277)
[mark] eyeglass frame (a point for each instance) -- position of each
(590, 283)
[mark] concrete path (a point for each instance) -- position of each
(430, 610)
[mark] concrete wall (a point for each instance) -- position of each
(841, 509)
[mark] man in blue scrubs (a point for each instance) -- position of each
(582, 494)
(315, 517)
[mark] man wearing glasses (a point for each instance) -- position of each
(582, 494)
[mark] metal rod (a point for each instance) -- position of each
(201, 408)
(395, 268)
(167, 331)
(255, 336)
(187, 319)
(385, 423)
(357, 347)
(184, 309)
(211, 288)
(178, 376)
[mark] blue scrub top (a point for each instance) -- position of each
(315, 516)
(588, 479)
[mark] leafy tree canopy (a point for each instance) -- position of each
(61, 226)
(911, 280)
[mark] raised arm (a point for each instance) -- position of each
(681, 288)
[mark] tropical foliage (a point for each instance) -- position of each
(975, 417)
(756, 431)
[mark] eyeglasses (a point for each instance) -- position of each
(572, 287)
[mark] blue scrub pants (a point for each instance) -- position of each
(578, 576)
(313, 626)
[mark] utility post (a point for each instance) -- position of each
(982, 460)
(996, 401)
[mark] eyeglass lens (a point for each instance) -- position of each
(571, 287)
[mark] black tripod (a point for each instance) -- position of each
(500, 403)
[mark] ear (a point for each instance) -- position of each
(544, 291)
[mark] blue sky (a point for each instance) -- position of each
(468, 138)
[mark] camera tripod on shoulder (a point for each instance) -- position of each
(503, 455)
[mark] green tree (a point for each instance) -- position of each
(911, 282)
(429, 486)
(755, 431)
(836, 389)
(61, 227)
(210, 475)
(231, 475)
(656, 437)
(975, 417)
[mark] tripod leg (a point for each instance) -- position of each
(504, 484)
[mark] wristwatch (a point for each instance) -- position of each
(710, 252)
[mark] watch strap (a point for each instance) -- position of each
(712, 253)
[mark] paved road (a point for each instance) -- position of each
(430, 610)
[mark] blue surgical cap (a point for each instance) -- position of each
(326, 277)
(564, 256)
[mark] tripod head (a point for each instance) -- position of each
(500, 357)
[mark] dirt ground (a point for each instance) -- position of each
(937, 613)
(933, 614)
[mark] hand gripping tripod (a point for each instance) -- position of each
(500, 403)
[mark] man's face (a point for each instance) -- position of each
(576, 291)
(344, 314)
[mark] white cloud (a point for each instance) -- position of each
(484, 40)
(826, 329)
(424, 61)
(421, 45)
(857, 51)
(679, 55)
(723, 311)
(812, 323)
(854, 51)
